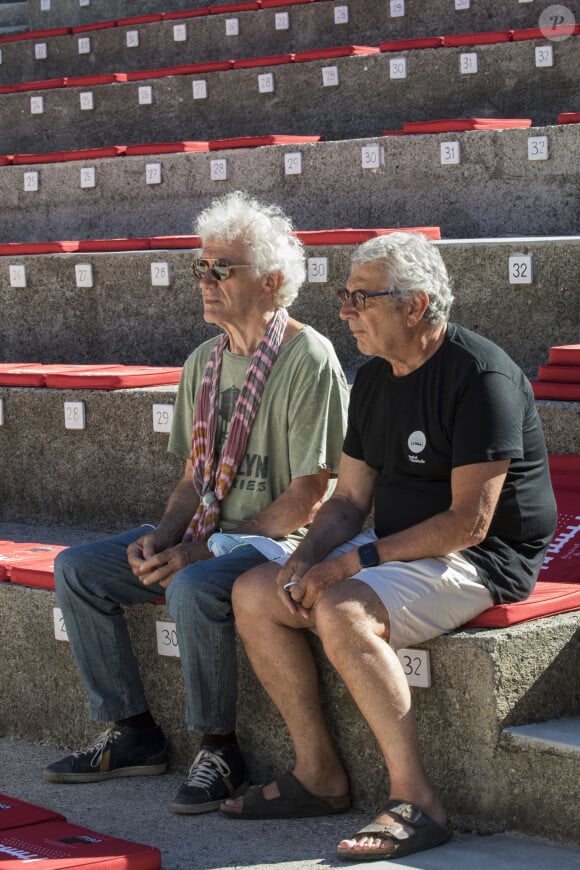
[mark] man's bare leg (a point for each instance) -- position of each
(353, 626)
(283, 662)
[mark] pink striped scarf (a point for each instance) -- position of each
(213, 479)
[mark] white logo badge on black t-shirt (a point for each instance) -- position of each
(416, 443)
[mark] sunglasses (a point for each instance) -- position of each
(220, 269)
(358, 298)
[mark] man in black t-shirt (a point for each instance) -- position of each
(444, 439)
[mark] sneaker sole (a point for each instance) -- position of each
(195, 809)
(139, 770)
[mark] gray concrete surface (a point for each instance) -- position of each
(366, 17)
(124, 319)
(363, 103)
(137, 809)
(310, 25)
(494, 191)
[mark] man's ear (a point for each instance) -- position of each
(418, 304)
(273, 282)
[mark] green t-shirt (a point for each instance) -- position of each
(298, 429)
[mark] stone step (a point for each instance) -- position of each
(365, 17)
(124, 318)
(495, 189)
(359, 99)
(557, 737)
(482, 682)
(295, 844)
(13, 17)
(542, 761)
(94, 477)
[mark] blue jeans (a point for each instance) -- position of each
(94, 580)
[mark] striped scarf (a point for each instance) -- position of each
(213, 479)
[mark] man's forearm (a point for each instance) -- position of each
(337, 521)
(177, 515)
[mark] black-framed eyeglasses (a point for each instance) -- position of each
(358, 298)
(219, 268)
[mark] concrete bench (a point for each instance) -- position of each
(485, 683)
(211, 37)
(494, 190)
(124, 317)
(360, 98)
(94, 477)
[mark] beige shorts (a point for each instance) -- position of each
(424, 598)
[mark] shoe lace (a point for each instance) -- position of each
(206, 768)
(98, 747)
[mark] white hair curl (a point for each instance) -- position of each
(266, 231)
(413, 263)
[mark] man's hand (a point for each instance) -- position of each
(301, 586)
(152, 566)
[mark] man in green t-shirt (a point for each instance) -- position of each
(259, 419)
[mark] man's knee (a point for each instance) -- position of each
(345, 617)
(252, 589)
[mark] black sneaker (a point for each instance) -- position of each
(118, 751)
(215, 775)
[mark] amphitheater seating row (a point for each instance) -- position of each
(471, 184)
(67, 72)
(401, 18)
(141, 307)
(500, 80)
(557, 589)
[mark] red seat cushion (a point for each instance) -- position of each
(563, 374)
(545, 33)
(268, 4)
(186, 13)
(98, 25)
(36, 572)
(450, 125)
(271, 60)
(166, 148)
(33, 374)
(139, 19)
(557, 391)
(170, 242)
(42, 85)
(258, 141)
(15, 249)
(565, 355)
(565, 463)
(329, 53)
(454, 40)
(66, 156)
(404, 44)
(569, 118)
(180, 70)
(58, 844)
(250, 6)
(113, 377)
(92, 245)
(100, 79)
(15, 813)
(13, 554)
(558, 586)
(351, 236)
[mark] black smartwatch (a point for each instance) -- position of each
(368, 556)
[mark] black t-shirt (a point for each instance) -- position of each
(468, 403)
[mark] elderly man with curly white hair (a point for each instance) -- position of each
(259, 419)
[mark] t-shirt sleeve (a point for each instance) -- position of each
(181, 428)
(317, 422)
(488, 424)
